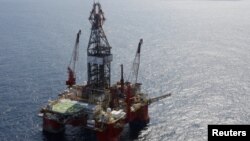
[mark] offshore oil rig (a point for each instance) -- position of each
(98, 105)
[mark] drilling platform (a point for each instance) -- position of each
(98, 105)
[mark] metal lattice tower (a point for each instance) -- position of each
(99, 51)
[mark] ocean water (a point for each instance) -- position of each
(196, 49)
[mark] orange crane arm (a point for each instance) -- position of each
(72, 65)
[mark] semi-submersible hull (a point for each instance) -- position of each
(98, 105)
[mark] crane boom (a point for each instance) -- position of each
(136, 63)
(72, 65)
(155, 99)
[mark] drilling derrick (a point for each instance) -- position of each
(99, 54)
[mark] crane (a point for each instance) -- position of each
(72, 65)
(136, 63)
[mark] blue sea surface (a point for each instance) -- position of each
(197, 49)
